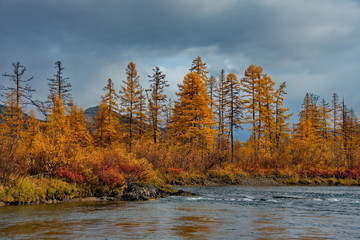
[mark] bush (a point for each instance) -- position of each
(112, 177)
(174, 171)
(69, 175)
(292, 181)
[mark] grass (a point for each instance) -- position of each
(32, 190)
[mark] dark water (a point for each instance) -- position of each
(231, 212)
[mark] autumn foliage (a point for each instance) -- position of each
(134, 139)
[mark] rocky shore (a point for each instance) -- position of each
(133, 192)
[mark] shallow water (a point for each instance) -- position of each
(229, 212)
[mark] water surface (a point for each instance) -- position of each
(229, 212)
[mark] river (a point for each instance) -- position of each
(226, 212)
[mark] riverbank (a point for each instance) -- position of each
(32, 190)
(218, 178)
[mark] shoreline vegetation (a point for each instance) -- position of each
(44, 190)
(138, 135)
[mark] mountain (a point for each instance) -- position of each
(91, 112)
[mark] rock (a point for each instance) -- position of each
(145, 191)
(2, 204)
(184, 194)
(288, 197)
(142, 191)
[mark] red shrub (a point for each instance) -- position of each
(348, 173)
(133, 172)
(111, 176)
(326, 173)
(69, 175)
(174, 171)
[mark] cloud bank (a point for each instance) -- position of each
(312, 45)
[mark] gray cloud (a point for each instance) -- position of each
(313, 45)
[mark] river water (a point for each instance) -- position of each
(227, 212)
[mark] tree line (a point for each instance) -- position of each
(195, 132)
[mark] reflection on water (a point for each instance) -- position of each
(268, 226)
(193, 226)
(233, 212)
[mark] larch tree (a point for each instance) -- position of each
(336, 128)
(211, 86)
(18, 95)
(234, 107)
(142, 116)
(77, 126)
(306, 141)
(168, 116)
(131, 95)
(156, 100)
(22, 91)
(59, 87)
(192, 117)
(346, 134)
(12, 120)
(199, 67)
(101, 125)
(265, 120)
(282, 129)
(33, 143)
(250, 89)
(221, 99)
(324, 120)
(57, 130)
(108, 117)
(249, 85)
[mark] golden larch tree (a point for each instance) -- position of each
(192, 117)
(79, 133)
(131, 97)
(107, 119)
(200, 67)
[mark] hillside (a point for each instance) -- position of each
(91, 112)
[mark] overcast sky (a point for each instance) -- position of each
(313, 45)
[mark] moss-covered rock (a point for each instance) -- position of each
(146, 191)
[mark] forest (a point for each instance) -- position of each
(139, 135)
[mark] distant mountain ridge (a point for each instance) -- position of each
(91, 112)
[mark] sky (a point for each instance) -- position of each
(313, 45)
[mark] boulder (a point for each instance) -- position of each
(145, 191)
